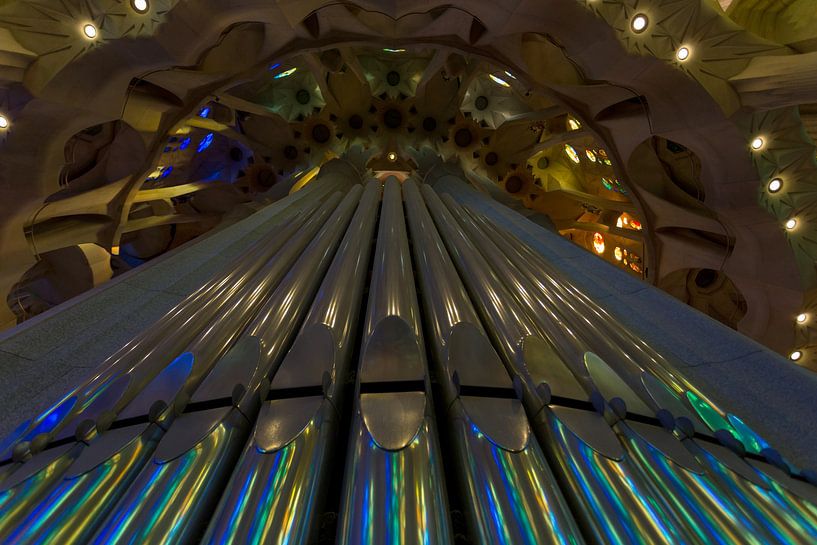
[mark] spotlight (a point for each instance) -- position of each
(796, 355)
(682, 54)
(4, 122)
(757, 143)
(639, 23)
(139, 6)
(89, 30)
(775, 185)
(801, 318)
(392, 156)
(791, 224)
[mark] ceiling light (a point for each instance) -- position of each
(89, 30)
(139, 6)
(682, 54)
(796, 355)
(390, 50)
(499, 81)
(639, 23)
(775, 185)
(392, 156)
(4, 122)
(757, 143)
(791, 224)
(801, 318)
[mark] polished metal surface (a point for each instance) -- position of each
(627, 349)
(280, 479)
(394, 491)
(189, 483)
(509, 397)
(509, 492)
(187, 319)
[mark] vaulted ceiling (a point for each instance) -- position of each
(673, 138)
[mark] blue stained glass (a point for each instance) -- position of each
(205, 112)
(205, 143)
(166, 172)
(184, 144)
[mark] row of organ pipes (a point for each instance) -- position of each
(392, 356)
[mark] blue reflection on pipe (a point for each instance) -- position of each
(48, 423)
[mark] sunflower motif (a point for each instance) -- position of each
(465, 135)
(320, 133)
(260, 177)
(392, 115)
(493, 162)
(518, 183)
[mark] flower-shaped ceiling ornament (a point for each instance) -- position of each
(787, 155)
(319, 133)
(122, 20)
(60, 31)
(289, 91)
(55, 30)
(393, 78)
(715, 47)
(294, 96)
(491, 103)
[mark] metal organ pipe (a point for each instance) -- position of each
(280, 481)
(122, 454)
(720, 509)
(394, 489)
(510, 493)
(606, 494)
(225, 421)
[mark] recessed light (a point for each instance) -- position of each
(775, 185)
(392, 156)
(682, 54)
(89, 30)
(796, 355)
(757, 143)
(791, 224)
(639, 23)
(4, 122)
(801, 318)
(139, 6)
